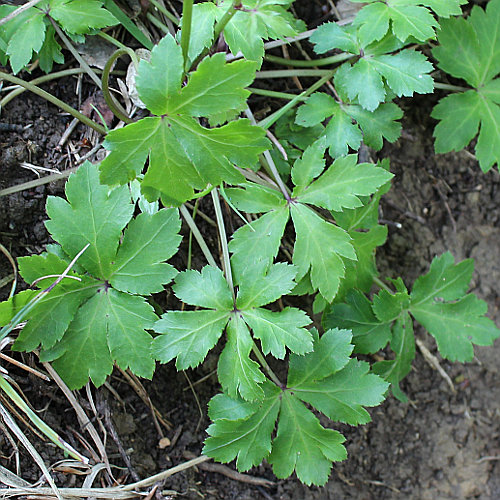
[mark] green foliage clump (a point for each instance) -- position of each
(33, 31)
(310, 208)
(97, 315)
(469, 49)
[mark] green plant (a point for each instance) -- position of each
(470, 49)
(197, 144)
(185, 150)
(97, 315)
(33, 30)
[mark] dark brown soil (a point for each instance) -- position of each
(439, 446)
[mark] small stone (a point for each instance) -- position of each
(163, 443)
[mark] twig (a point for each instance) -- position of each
(24, 367)
(197, 402)
(139, 389)
(434, 363)
(84, 421)
(163, 475)
(18, 11)
(488, 459)
(232, 474)
(116, 439)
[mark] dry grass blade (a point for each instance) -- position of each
(13, 480)
(135, 383)
(21, 315)
(84, 421)
(38, 422)
(14, 267)
(167, 473)
(9, 421)
(27, 368)
(47, 493)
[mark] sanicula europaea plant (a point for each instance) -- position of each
(201, 139)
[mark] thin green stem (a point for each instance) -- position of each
(262, 360)
(219, 28)
(273, 93)
(127, 23)
(271, 119)
(270, 162)
(54, 100)
(23, 312)
(310, 64)
(157, 23)
(198, 236)
(276, 175)
(288, 73)
(111, 40)
(190, 240)
(223, 242)
(75, 54)
(113, 105)
(36, 81)
(203, 193)
(447, 86)
(381, 284)
(164, 11)
(187, 16)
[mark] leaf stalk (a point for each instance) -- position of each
(219, 28)
(187, 16)
(54, 100)
(344, 56)
(223, 240)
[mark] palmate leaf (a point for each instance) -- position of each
(455, 320)
(109, 327)
(341, 396)
(350, 123)
(359, 274)
(406, 18)
(369, 333)
(304, 445)
(256, 21)
(325, 377)
(90, 216)
(203, 20)
(186, 156)
(403, 346)
(258, 286)
(189, 335)
(247, 439)
(80, 16)
(277, 330)
(22, 36)
(31, 32)
(320, 246)
(377, 71)
(473, 56)
(148, 241)
(237, 372)
(438, 301)
(92, 319)
(343, 183)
